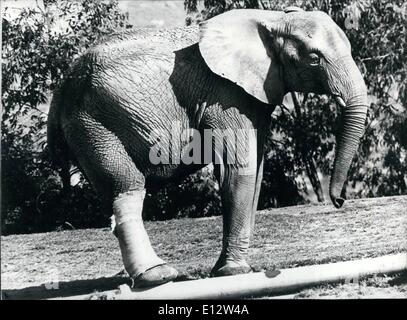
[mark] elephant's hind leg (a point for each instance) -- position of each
(114, 175)
(139, 258)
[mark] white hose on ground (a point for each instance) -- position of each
(259, 283)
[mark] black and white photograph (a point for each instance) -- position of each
(216, 151)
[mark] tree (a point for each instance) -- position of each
(46, 39)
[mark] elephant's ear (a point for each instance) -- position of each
(239, 46)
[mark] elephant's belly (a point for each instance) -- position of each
(157, 140)
(167, 152)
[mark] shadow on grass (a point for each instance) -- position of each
(399, 279)
(77, 287)
(65, 289)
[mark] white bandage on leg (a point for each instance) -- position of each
(137, 252)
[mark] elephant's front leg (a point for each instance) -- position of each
(238, 187)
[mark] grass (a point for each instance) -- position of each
(374, 287)
(285, 237)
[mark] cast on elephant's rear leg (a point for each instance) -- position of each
(114, 175)
(139, 258)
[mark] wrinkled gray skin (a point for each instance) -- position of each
(229, 73)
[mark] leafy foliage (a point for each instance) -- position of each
(38, 46)
(381, 54)
(196, 196)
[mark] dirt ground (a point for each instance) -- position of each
(81, 261)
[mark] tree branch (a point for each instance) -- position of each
(284, 108)
(297, 104)
(376, 58)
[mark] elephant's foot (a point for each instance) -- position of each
(155, 276)
(230, 268)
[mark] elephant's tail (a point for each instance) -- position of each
(57, 146)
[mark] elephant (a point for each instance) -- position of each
(132, 91)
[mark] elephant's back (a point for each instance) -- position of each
(145, 41)
(132, 71)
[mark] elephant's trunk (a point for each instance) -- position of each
(353, 98)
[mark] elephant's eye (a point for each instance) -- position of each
(314, 59)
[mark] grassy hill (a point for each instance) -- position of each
(81, 261)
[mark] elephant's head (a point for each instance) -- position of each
(270, 53)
